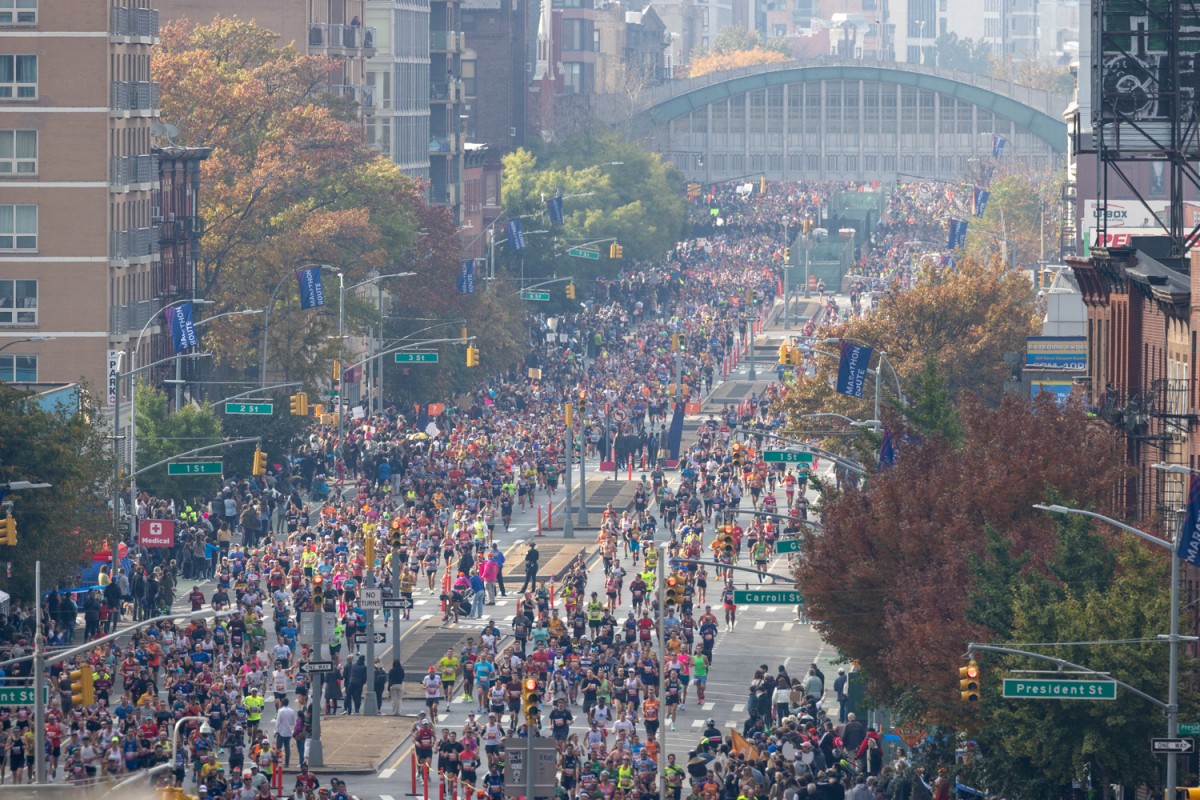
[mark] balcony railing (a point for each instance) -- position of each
(334, 36)
(439, 144)
(363, 95)
(134, 22)
(127, 319)
(447, 92)
(133, 169)
(445, 41)
(132, 244)
(133, 96)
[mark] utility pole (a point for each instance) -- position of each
(370, 706)
(315, 754)
(569, 445)
(663, 557)
(752, 375)
(39, 678)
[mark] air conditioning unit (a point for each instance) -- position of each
(156, 214)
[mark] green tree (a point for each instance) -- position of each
(637, 202)
(966, 55)
(1014, 222)
(733, 39)
(161, 435)
(62, 525)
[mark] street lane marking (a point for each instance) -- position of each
(787, 626)
(709, 706)
(386, 796)
(738, 708)
(386, 773)
(696, 723)
(772, 609)
(758, 626)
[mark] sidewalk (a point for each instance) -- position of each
(358, 745)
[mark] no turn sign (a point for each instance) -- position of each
(156, 533)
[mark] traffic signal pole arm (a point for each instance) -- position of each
(230, 443)
(853, 466)
(409, 346)
(545, 283)
(784, 578)
(1061, 663)
(258, 391)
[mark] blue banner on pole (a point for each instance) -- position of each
(466, 277)
(979, 204)
(958, 234)
(1189, 538)
(183, 331)
(516, 237)
(998, 143)
(887, 451)
(312, 292)
(852, 369)
(554, 207)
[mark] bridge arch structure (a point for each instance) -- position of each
(849, 120)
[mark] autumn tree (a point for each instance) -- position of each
(63, 524)
(892, 573)
(290, 183)
(962, 321)
(1019, 223)
(738, 59)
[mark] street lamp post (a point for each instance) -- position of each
(205, 730)
(179, 356)
(28, 339)
(1173, 634)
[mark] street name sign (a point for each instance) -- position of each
(317, 666)
(766, 597)
(416, 358)
(371, 599)
(1056, 689)
(579, 252)
(787, 457)
(261, 409)
(1189, 729)
(380, 637)
(787, 546)
(194, 468)
(542, 296)
(1170, 745)
(21, 695)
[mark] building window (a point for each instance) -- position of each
(18, 302)
(18, 12)
(18, 227)
(18, 152)
(18, 369)
(18, 77)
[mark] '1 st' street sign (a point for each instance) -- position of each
(766, 597)
(1055, 689)
(787, 457)
(195, 468)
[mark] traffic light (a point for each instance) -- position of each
(968, 682)
(582, 404)
(8, 531)
(785, 355)
(397, 538)
(83, 692)
(682, 342)
(674, 590)
(318, 410)
(795, 357)
(737, 453)
(318, 590)
(369, 549)
(568, 413)
(299, 404)
(472, 356)
(762, 185)
(754, 296)
(259, 467)
(787, 255)
(806, 227)
(531, 696)
(570, 291)
(616, 251)
(337, 376)
(462, 332)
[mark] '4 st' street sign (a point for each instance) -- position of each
(787, 457)
(195, 468)
(262, 409)
(1055, 689)
(766, 597)
(416, 358)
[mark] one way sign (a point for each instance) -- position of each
(380, 637)
(1171, 746)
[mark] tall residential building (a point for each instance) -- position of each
(78, 239)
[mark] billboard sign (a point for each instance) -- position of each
(1061, 352)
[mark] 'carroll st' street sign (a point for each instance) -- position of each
(766, 597)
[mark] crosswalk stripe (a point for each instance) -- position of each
(771, 609)
(738, 708)
(696, 723)
(384, 774)
(386, 796)
(758, 626)
(787, 626)
(709, 706)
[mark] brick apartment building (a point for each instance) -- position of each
(78, 239)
